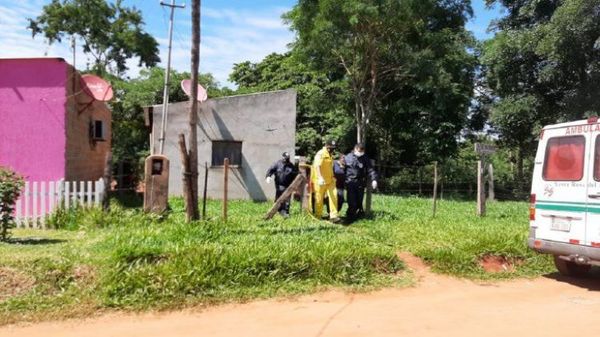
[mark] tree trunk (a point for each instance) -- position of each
(361, 126)
(520, 164)
(191, 206)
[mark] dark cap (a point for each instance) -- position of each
(286, 155)
(360, 146)
(331, 143)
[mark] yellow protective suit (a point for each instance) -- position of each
(324, 161)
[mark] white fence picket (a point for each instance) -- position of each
(97, 188)
(43, 200)
(18, 212)
(40, 198)
(51, 196)
(25, 205)
(89, 194)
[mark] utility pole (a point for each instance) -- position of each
(192, 209)
(165, 109)
(156, 195)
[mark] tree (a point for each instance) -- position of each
(375, 45)
(111, 33)
(407, 66)
(542, 67)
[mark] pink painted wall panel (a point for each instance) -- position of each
(32, 117)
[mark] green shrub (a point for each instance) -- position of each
(10, 189)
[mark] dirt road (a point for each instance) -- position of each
(437, 306)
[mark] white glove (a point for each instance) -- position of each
(269, 180)
(374, 184)
(321, 181)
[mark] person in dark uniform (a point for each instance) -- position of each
(340, 181)
(285, 172)
(357, 169)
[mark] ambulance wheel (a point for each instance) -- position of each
(568, 268)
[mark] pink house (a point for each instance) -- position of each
(49, 128)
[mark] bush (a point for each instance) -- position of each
(10, 189)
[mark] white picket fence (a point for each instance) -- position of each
(40, 198)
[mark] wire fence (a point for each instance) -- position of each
(454, 182)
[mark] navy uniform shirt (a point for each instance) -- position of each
(284, 171)
(358, 169)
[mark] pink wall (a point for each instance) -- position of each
(32, 117)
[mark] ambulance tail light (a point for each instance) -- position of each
(532, 207)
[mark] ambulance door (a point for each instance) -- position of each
(593, 220)
(561, 193)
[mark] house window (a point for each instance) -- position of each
(97, 130)
(222, 149)
(564, 159)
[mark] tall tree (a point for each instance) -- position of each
(111, 33)
(543, 67)
(376, 44)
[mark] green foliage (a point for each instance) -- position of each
(137, 261)
(111, 32)
(10, 189)
(405, 64)
(542, 67)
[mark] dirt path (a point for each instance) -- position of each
(438, 306)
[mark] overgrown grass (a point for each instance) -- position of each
(129, 260)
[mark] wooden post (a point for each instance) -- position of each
(369, 196)
(187, 175)
(225, 182)
(107, 181)
(204, 192)
(480, 189)
(304, 189)
(491, 192)
(435, 182)
(299, 181)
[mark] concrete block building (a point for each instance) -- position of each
(251, 130)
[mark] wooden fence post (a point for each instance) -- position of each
(305, 188)
(480, 189)
(369, 196)
(225, 182)
(491, 192)
(107, 181)
(299, 181)
(204, 192)
(435, 182)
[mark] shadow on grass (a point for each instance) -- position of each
(288, 231)
(34, 241)
(590, 282)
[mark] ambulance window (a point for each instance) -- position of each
(597, 159)
(564, 158)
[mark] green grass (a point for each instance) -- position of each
(129, 260)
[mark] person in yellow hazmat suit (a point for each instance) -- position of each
(323, 181)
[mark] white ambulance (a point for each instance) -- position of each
(564, 212)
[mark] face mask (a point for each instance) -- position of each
(358, 153)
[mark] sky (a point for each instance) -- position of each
(232, 31)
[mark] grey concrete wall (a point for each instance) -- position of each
(265, 123)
